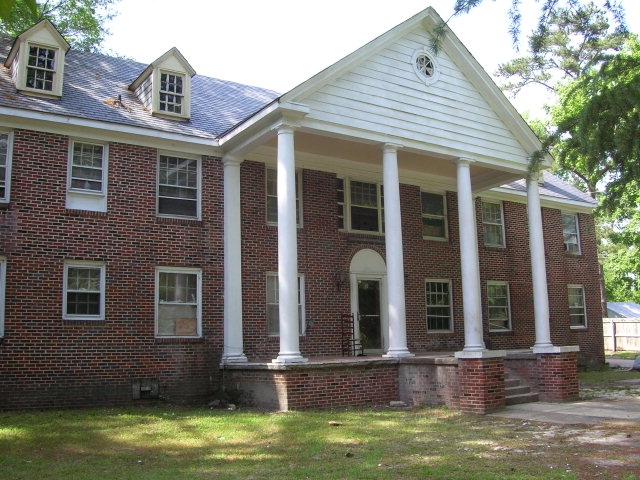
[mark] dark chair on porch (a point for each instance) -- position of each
(351, 347)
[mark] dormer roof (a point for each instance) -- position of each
(37, 59)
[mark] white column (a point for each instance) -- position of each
(233, 346)
(395, 263)
(287, 250)
(538, 267)
(471, 299)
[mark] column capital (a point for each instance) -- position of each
(463, 161)
(391, 147)
(231, 160)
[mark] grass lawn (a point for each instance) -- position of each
(166, 442)
(628, 355)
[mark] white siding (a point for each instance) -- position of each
(383, 95)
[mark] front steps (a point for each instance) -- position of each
(516, 392)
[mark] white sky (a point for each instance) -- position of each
(278, 44)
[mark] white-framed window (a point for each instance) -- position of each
(273, 302)
(171, 94)
(434, 215)
(571, 233)
(87, 176)
(493, 224)
(41, 68)
(360, 206)
(577, 308)
(272, 196)
(3, 281)
(439, 305)
(178, 302)
(178, 186)
(6, 149)
(498, 306)
(84, 291)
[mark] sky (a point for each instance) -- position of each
(278, 44)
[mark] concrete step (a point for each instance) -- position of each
(517, 390)
(522, 398)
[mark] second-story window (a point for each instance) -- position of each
(5, 166)
(41, 68)
(571, 233)
(493, 224)
(434, 219)
(87, 166)
(171, 93)
(178, 185)
(272, 197)
(360, 206)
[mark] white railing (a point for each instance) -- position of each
(621, 334)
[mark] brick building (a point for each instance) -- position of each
(366, 237)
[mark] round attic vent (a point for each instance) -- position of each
(425, 66)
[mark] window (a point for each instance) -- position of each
(273, 313)
(41, 68)
(272, 197)
(498, 306)
(87, 163)
(84, 290)
(3, 275)
(178, 186)
(577, 311)
(493, 224)
(178, 301)
(438, 301)
(434, 220)
(360, 206)
(171, 94)
(571, 233)
(5, 165)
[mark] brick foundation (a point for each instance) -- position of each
(481, 384)
(558, 376)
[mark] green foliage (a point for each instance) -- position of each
(597, 123)
(81, 22)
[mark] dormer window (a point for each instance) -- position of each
(164, 87)
(171, 93)
(36, 60)
(41, 68)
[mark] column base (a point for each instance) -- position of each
(481, 377)
(558, 374)
(289, 358)
(237, 358)
(399, 353)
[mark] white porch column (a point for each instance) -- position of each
(538, 267)
(471, 299)
(287, 249)
(233, 346)
(395, 263)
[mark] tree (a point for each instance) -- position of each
(81, 22)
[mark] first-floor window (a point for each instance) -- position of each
(3, 274)
(84, 291)
(178, 300)
(438, 301)
(272, 197)
(273, 304)
(577, 311)
(498, 306)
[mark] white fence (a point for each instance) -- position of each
(621, 334)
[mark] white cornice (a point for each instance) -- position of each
(67, 125)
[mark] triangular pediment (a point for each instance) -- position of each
(396, 89)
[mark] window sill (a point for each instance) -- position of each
(436, 239)
(178, 220)
(579, 328)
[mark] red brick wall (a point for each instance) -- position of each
(481, 384)
(47, 361)
(558, 377)
(323, 251)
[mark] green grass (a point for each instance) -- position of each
(165, 442)
(628, 355)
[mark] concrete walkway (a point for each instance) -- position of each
(620, 410)
(615, 410)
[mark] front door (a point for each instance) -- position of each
(369, 318)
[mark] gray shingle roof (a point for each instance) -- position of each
(554, 187)
(92, 81)
(624, 309)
